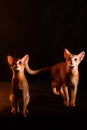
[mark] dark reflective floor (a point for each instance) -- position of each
(45, 108)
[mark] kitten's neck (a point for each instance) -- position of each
(72, 69)
(18, 74)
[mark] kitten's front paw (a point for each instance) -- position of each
(72, 104)
(27, 111)
(24, 114)
(66, 103)
(13, 110)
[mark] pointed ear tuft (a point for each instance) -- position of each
(25, 59)
(82, 55)
(66, 53)
(10, 59)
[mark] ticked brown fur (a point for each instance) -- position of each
(66, 77)
(20, 96)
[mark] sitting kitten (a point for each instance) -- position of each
(19, 97)
(65, 76)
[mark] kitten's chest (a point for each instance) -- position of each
(18, 83)
(72, 77)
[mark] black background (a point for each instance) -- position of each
(42, 29)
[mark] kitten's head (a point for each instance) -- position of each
(17, 64)
(73, 60)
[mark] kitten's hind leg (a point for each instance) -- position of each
(54, 88)
(11, 98)
(66, 96)
(13, 110)
(62, 92)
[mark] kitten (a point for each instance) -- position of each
(20, 96)
(65, 76)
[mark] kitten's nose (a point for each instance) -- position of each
(71, 63)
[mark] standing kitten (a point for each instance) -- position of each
(66, 76)
(19, 97)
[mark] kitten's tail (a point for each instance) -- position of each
(34, 72)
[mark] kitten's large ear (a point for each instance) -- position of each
(66, 53)
(81, 55)
(10, 60)
(25, 59)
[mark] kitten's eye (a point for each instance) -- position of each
(20, 62)
(75, 59)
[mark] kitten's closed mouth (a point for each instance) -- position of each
(72, 66)
(17, 68)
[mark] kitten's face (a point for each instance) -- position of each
(17, 64)
(73, 60)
